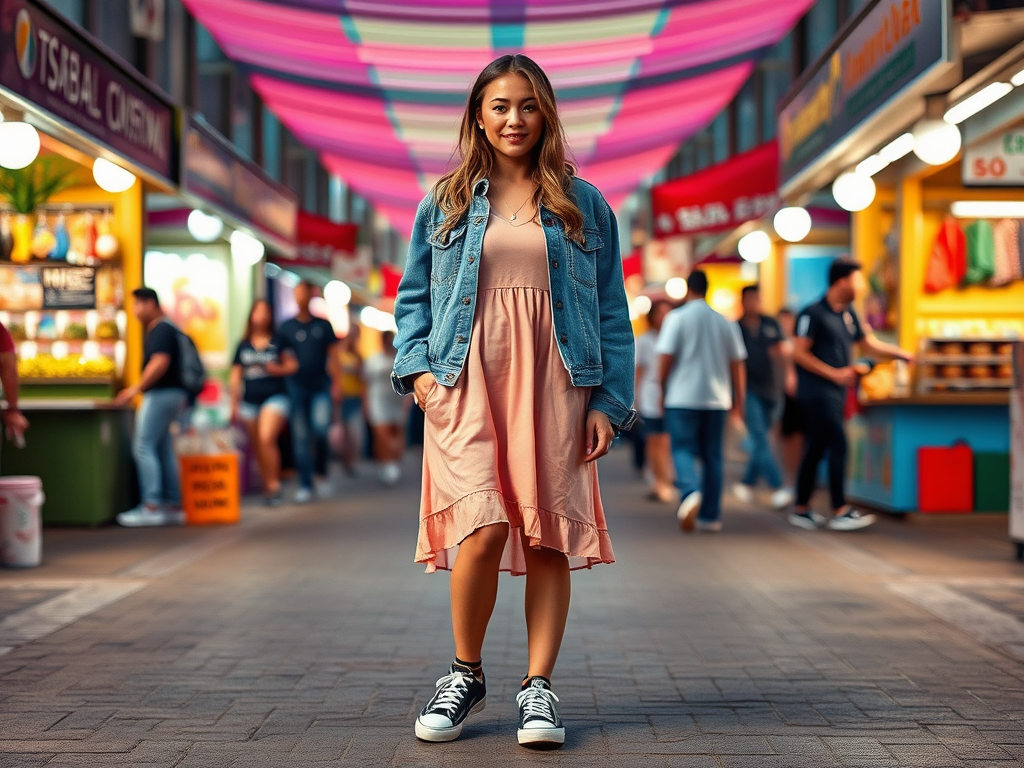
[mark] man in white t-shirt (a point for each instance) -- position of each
(703, 378)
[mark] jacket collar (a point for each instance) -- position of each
(481, 187)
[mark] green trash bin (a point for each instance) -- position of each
(991, 482)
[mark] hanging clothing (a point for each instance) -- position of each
(981, 252)
(947, 262)
(1007, 252)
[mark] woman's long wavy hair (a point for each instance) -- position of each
(552, 173)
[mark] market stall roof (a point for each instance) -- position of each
(377, 88)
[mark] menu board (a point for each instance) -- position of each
(41, 286)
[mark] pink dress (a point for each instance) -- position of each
(506, 444)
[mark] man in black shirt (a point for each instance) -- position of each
(823, 353)
(312, 341)
(163, 400)
(763, 340)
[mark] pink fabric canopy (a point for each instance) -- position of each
(378, 87)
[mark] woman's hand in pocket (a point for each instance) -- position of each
(422, 387)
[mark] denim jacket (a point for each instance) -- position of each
(437, 298)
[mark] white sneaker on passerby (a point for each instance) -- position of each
(809, 520)
(743, 492)
(145, 516)
(303, 496)
(782, 498)
(851, 520)
(687, 512)
(709, 526)
(323, 488)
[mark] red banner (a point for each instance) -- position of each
(719, 198)
(327, 245)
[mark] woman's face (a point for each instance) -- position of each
(261, 316)
(510, 116)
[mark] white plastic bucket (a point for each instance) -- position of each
(21, 541)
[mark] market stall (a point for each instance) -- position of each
(81, 140)
(880, 127)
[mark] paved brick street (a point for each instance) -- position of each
(306, 637)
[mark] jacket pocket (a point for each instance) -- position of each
(445, 254)
(583, 258)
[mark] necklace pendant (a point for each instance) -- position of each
(513, 217)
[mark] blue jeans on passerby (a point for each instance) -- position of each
(311, 421)
(762, 462)
(152, 448)
(698, 434)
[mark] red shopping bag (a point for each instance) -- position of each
(945, 479)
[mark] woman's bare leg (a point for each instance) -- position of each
(660, 456)
(474, 588)
(548, 588)
(269, 428)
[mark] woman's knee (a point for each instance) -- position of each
(486, 541)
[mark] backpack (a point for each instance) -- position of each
(190, 366)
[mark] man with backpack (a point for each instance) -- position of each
(169, 359)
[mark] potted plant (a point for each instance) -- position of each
(27, 189)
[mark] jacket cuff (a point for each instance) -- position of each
(412, 364)
(621, 417)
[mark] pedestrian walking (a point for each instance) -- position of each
(349, 391)
(703, 378)
(823, 352)
(763, 339)
(258, 395)
(514, 334)
(14, 421)
(311, 340)
(791, 425)
(164, 400)
(648, 403)
(385, 410)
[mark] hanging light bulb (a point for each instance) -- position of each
(246, 248)
(111, 177)
(19, 145)
(853, 191)
(755, 246)
(936, 142)
(203, 227)
(676, 288)
(337, 293)
(792, 224)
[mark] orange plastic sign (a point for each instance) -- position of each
(210, 491)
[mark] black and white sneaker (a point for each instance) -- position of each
(458, 695)
(539, 724)
(809, 520)
(851, 520)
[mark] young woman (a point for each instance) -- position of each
(648, 402)
(258, 396)
(514, 335)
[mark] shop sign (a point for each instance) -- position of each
(892, 46)
(54, 65)
(719, 198)
(327, 245)
(996, 162)
(214, 171)
(146, 18)
(40, 286)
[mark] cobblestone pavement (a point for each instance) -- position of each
(306, 637)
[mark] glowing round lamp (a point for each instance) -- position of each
(19, 145)
(936, 142)
(642, 305)
(792, 224)
(246, 248)
(853, 191)
(337, 293)
(203, 227)
(676, 288)
(111, 177)
(755, 246)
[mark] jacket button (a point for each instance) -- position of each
(466, 300)
(564, 339)
(450, 377)
(472, 259)
(558, 305)
(549, 222)
(460, 339)
(555, 263)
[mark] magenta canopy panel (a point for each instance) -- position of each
(377, 86)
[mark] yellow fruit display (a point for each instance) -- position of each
(70, 367)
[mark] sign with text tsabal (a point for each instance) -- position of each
(58, 67)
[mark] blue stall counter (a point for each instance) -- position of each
(884, 438)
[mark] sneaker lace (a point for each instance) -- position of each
(450, 691)
(536, 702)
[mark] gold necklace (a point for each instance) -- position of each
(517, 210)
(507, 221)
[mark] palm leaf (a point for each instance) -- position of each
(28, 188)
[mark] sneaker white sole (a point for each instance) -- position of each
(687, 512)
(803, 522)
(836, 524)
(426, 733)
(541, 737)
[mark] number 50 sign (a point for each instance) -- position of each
(998, 161)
